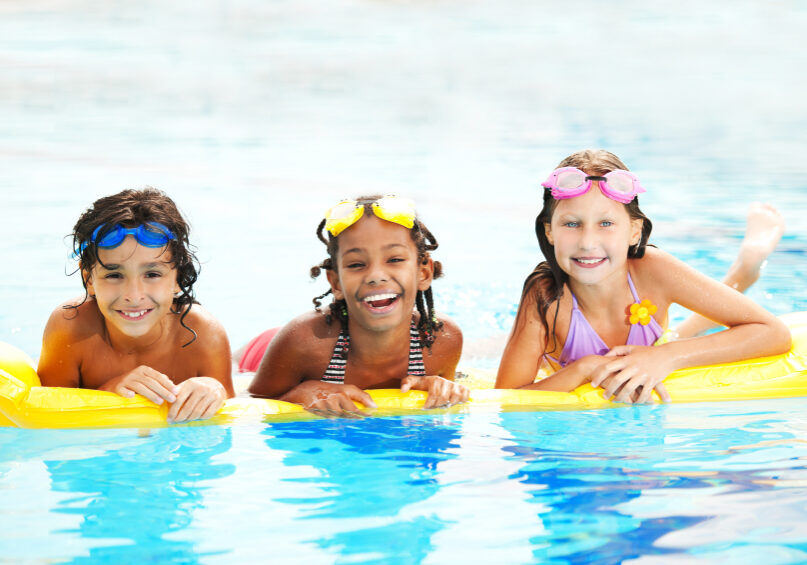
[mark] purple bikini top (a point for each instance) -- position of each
(582, 340)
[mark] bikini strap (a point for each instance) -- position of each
(633, 289)
(416, 366)
(335, 373)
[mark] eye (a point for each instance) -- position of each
(113, 276)
(571, 224)
(153, 275)
(354, 265)
(606, 223)
(396, 260)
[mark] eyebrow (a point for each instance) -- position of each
(116, 266)
(360, 249)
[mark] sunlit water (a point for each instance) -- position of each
(256, 117)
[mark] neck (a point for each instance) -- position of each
(378, 348)
(129, 345)
(613, 292)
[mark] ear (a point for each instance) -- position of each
(636, 231)
(88, 284)
(548, 232)
(425, 274)
(336, 286)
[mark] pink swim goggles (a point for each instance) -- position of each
(568, 182)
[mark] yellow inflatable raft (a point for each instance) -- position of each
(26, 404)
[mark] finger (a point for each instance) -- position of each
(602, 373)
(346, 405)
(212, 408)
(188, 408)
(124, 391)
(630, 383)
(173, 412)
(662, 392)
(406, 383)
(616, 383)
(143, 389)
(359, 395)
(439, 394)
(162, 379)
(160, 389)
(619, 351)
(645, 396)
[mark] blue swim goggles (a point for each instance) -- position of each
(150, 234)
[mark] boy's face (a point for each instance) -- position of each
(378, 273)
(134, 287)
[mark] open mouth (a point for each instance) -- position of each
(381, 302)
(589, 261)
(134, 315)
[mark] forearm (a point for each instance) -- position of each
(566, 379)
(741, 342)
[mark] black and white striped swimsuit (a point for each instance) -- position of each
(335, 373)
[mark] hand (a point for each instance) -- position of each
(442, 392)
(144, 381)
(633, 373)
(330, 400)
(198, 399)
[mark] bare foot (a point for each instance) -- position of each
(763, 231)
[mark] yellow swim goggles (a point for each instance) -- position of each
(391, 208)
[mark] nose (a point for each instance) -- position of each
(377, 274)
(133, 290)
(588, 237)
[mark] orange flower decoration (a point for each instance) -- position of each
(640, 313)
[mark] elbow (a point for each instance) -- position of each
(780, 339)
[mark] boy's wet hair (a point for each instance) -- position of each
(548, 279)
(130, 209)
(425, 243)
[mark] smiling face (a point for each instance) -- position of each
(378, 273)
(134, 288)
(591, 234)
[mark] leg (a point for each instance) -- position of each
(763, 231)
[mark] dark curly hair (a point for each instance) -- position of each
(547, 279)
(425, 243)
(129, 209)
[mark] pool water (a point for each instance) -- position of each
(255, 117)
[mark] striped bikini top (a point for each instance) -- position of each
(335, 373)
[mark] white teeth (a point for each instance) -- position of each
(375, 297)
(588, 261)
(134, 314)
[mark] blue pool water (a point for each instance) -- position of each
(255, 117)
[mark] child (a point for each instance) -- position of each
(137, 329)
(592, 309)
(380, 269)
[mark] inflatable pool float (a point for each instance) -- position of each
(26, 404)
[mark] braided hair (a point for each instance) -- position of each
(129, 209)
(425, 243)
(547, 280)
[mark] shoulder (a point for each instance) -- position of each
(306, 340)
(444, 355)
(659, 268)
(75, 319)
(210, 333)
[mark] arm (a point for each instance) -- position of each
(286, 374)
(524, 351)
(442, 364)
(58, 363)
(752, 331)
(200, 397)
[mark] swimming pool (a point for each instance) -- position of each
(255, 117)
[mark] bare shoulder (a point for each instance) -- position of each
(75, 319)
(444, 355)
(657, 268)
(210, 332)
(300, 351)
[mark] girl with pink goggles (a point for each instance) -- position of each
(568, 182)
